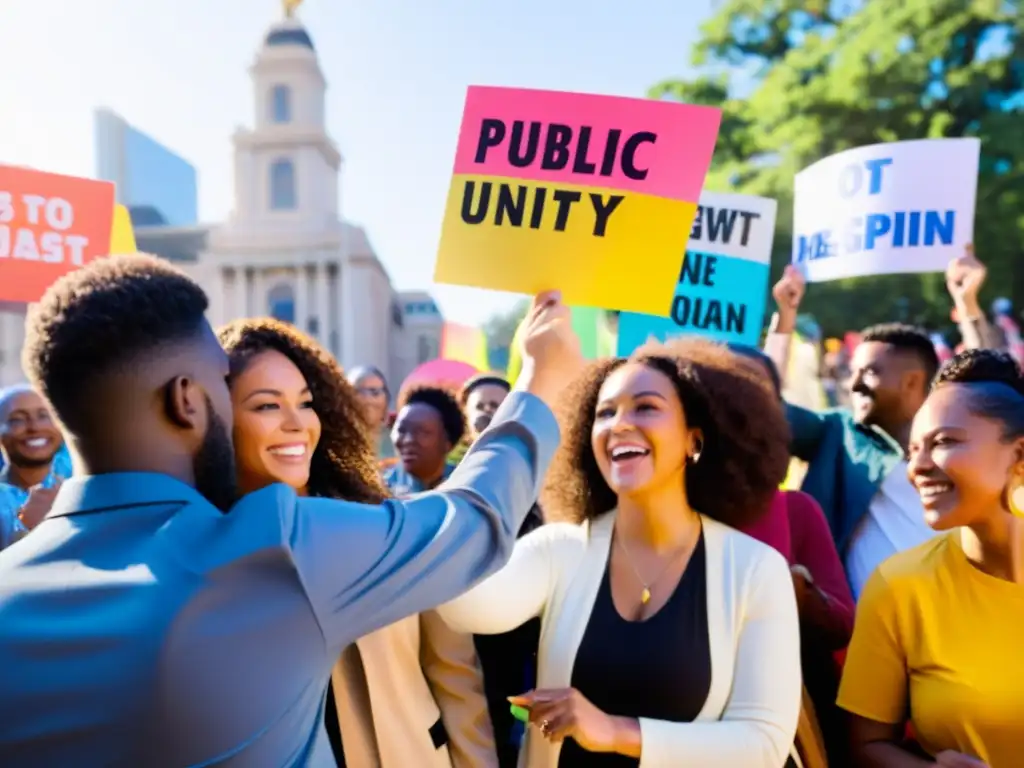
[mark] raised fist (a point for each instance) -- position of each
(549, 347)
(965, 276)
(789, 291)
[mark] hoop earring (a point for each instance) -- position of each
(1015, 500)
(695, 456)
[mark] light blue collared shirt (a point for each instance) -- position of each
(401, 483)
(140, 626)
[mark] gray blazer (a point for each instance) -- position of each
(140, 626)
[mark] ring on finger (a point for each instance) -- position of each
(545, 725)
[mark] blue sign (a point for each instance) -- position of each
(723, 283)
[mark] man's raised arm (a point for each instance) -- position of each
(366, 566)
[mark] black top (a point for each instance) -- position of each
(658, 668)
(508, 662)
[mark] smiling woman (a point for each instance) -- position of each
(300, 422)
(937, 634)
(297, 420)
(656, 611)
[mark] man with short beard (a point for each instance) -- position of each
(29, 441)
(154, 618)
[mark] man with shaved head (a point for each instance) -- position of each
(29, 442)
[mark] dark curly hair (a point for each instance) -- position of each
(102, 316)
(763, 362)
(996, 386)
(344, 464)
(908, 339)
(745, 454)
(442, 401)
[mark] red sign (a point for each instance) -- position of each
(49, 225)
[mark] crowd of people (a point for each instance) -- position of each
(221, 549)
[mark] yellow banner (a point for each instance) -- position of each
(600, 247)
(122, 236)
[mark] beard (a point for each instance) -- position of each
(18, 459)
(214, 464)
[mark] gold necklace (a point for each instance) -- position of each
(645, 593)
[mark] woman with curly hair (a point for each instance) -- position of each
(667, 637)
(412, 692)
(938, 632)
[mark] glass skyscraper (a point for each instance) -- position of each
(158, 186)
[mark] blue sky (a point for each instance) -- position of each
(397, 72)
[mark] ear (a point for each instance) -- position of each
(696, 441)
(1018, 459)
(183, 403)
(915, 380)
(1015, 490)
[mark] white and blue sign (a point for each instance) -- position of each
(903, 207)
(723, 285)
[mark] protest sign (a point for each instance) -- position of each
(593, 195)
(723, 286)
(122, 235)
(897, 208)
(49, 226)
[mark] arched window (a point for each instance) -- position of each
(282, 185)
(281, 303)
(281, 104)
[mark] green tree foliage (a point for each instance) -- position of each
(802, 79)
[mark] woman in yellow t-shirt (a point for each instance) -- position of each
(939, 634)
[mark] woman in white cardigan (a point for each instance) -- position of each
(668, 638)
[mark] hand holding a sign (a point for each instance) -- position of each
(964, 278)
(550, 348)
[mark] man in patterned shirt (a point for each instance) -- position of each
(30, 443)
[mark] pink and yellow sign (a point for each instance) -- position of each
(593, 195)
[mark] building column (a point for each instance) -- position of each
(301, 293)
(258, 296)
(215, 281)
(323, 303)
(346, 313)
(240, 289)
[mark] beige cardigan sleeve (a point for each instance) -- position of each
(758, 726)
(452, 671)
